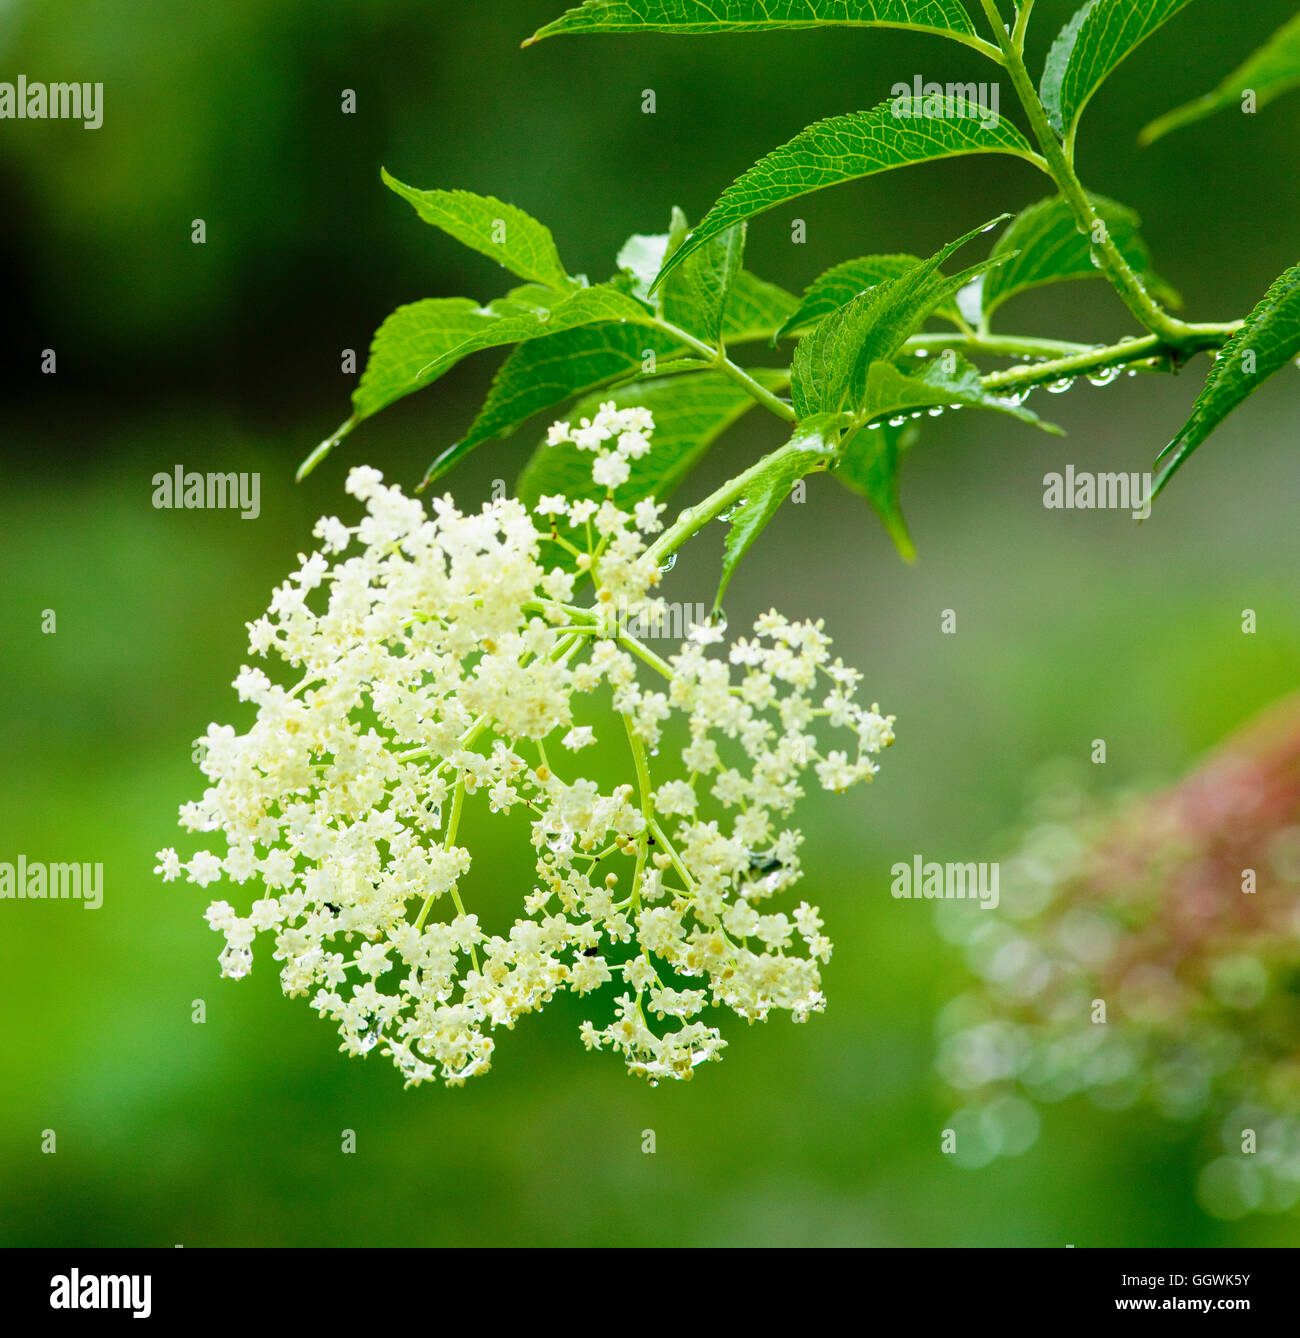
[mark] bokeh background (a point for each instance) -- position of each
(226, 356)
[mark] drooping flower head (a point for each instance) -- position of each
(439, 660)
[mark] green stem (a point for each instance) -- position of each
(1148, 313)
(1144, 348)
(453, 824)
(1023, 10)
(717, 358)
(695, 518)
(995, 346)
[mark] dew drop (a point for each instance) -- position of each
(925, 353)
(560, 842)
(1104, 376)
(937, 412)
(1060, 387)
(898, 422)
(668, 564)
(238, 972)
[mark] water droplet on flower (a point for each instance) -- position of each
(367, 1042)
(561, 841)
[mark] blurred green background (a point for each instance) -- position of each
(226, 356)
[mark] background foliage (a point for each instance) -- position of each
(1070, 625)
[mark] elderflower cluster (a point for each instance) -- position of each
(440, 662)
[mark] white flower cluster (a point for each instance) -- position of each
(437, 665)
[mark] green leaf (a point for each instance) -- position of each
(546, 371)
(843, 282)
(690, 411)
(809, 449)
(641, 258)
(889, 390)
(1096, 40)
(1271, 71)
(1269, 339)
(829, 363)
(419, 342)
(1052, 250)
(756, 310)
(697, 298)
(500, 231)
(843, 148)
(868, 464)
(945, 17)
(752, 310)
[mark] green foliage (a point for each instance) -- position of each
(419, 343)
(887, 390)
(551, 370)
(1049, 248)
(946, 17)
(1269, 72)
(843, 282)
(1096, 40)
(845, 148)
(829, 365)
(697, 298)
(812, 448)
(691, 413)
(662, 331)
(500, 231)
(1268, 340)
(869, 464)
